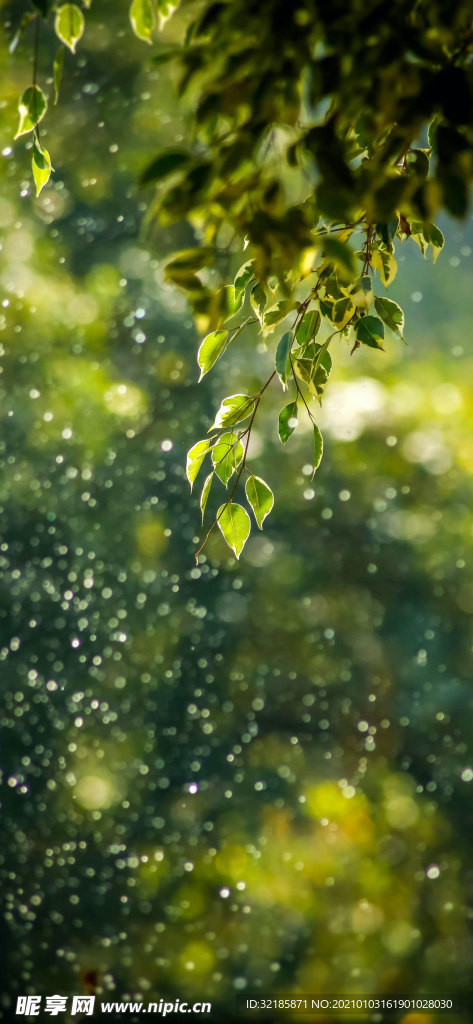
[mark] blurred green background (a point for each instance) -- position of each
(249, 776)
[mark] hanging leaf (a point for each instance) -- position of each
(195, 458)
(57, 72)
(32, 108)
(318, 449)
(232, 410)
(391, 314)
(342, 312)
(210, 350)
(41, 164)
(166, 10)
(276, 313)
(258, 301)
(205, 493)
(308, 328)
(243, 277)
(69, 25)
(260, 497)
(142, 19)
(226, 456)
(434, 237)
(370, 331)
(287, 421)
(386, 264)
(234, 523)
(282, 363)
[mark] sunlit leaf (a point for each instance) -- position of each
(243, 277)
(386, 264)
(370, 331)
(234, 523)
(342, 312)
(391, 314)
(232, 410)
(142, 19)
(227, 455)
(69, 25)
(41, 164)
(32, 108)
(260, 497)
(287, 421)
(210, 350)
(166, 10)
(195, 458)
(318, 449)
(205, 493)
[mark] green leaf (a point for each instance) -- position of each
(232, 410)
(210, 350)
(260, 497)
(434, 237)
(341, 256)
(166, 9)
(57, 71)
(243, 277)
(391, 314)
(343, 310)
(231, 302)
(32, 108)
(142, 19)
(205, 493)
(195, 458)
(41, 164)
(163, 165)
(258, 300)
(69, 25)
(234, 523)
(226, 456)
(370, 331)
(308, 328)
(276, 313)
(282, 356)
(287, 421)
(318, 449)
(386, 264)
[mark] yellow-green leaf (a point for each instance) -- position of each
(260, 497)
(205, 493)
(227, 454)
(69, 25)
(234, 523)
(232, 410)
(32, 108)
(210, 350)
(384, 261)
(142, 19)
(318, 449)
(41, 164)
(195, 458)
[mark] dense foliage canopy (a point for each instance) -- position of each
(310, 152)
